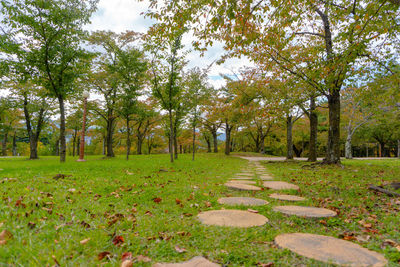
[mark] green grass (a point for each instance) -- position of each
(106, 193)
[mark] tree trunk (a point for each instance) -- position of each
(348, 146)
(73, 143)
(262, 144)
(78, 146)
(312, 157)
(14, 144)
(175, 146)
(289, 138)
(139, 145)
(109, 137)
(194, 140)
(398, 148)
(215, 141)
(104, 145)
(333, 147)
(63, 144)
(171, 137)
(128, 140)
(4, 144)
(227, 138)
(208, 141)
(381, 149)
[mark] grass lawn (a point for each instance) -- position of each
(148, 207)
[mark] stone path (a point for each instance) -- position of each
(194, 262)
(323, 248)
(246, 201)
(234, 218)
(309, 212)
(286, 197)
(242, 186)
(330, 250)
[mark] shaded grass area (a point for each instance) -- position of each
(153, 204)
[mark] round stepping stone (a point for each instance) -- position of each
(242, 178)
(194, 262)
(242, 182)
(242, 186)
(279, 185)
(287, 197)
(330, 250)
(234, 218)
(309, 212)
(246, 201)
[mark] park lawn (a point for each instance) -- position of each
(149, 206)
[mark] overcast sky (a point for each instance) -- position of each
(122, 15)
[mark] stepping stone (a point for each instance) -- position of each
(194, 262)
(330, 250)
(242, 178)
(242, 182)
(233, 218)
(245, 174)
(309, 212)
(242, 186)
(279, 185)
(246, 201)
(287, 197)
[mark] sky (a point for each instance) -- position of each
(122, 15)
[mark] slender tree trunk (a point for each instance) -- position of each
(109, 137)
(104, 145)
(14, 144)
(78, 145)
(333, 147)
(128, 139)
(175, 146)
(262, 144)
(227, 138)
(139, 144)
(57, 147)
(4, 144)
(208, 141)
(348, 145)
(398, 148)
(63, 144)
(381, 149)
(194, 140)
(289, 138)
(73, 143)
(312, 157)
(171, 137)
(215, 141)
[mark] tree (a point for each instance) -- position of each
(49, 35)
(319, 42)
(165, 69)
(196, 93)
(144, 118)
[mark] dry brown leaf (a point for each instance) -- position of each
(157, 199)
(126, 256)
(143, 258)
(84, 241)
(104, 254)
(179, 249)
(127, 263)
(253, 211)
(5, 235)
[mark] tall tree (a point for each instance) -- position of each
(51, 33)
(319, 42)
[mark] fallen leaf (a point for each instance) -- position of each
(126, 256)
(5, 235)
(253, 211)
(208, 204)
(127, 263)
(269, 264)
(71, 190)
(31, 225)
(103, 255)
(84, 241)
(118, 240)
(178, 201)
(157, 200)
(179, 249)
(143, 258)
